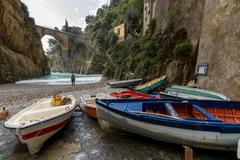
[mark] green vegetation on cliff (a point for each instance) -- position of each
(140, 55)
(100, 27)
(149, 55)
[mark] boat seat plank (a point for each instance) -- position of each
(224, 115)
(200, 109)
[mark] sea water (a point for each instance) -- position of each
(57, 78)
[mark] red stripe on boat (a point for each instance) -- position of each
(45, 130)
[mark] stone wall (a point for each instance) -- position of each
(220, 47)
(213, 27)
(21, 54)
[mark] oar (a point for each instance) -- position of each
(155, 114)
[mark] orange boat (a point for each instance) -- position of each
(88, 104)
(91, 111)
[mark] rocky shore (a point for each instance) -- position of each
(83, 139)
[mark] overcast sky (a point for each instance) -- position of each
(52, 13)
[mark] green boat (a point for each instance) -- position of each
(154, 84)
(181, 91)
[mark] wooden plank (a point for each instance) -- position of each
(155, 114)
(204, 112)
(188, 153)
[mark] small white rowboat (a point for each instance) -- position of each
(38, 122)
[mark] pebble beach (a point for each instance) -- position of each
(82, 138)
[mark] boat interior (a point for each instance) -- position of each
(193, 111)
(213, 112)
(38, 112)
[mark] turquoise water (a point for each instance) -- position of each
(57, 78)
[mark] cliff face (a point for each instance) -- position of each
(213, 27)
(174, 15)
(186, 14)
(219, 47)
(21, 54)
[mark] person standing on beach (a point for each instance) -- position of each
(73, 80)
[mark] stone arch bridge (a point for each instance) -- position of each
(65, 39)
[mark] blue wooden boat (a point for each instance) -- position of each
(198, 123)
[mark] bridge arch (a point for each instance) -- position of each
(65, 39)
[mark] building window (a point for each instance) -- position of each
(118, 31)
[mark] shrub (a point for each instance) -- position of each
(152, 26)
(183, 49)
(32, 20)
(25, 9)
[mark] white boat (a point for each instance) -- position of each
(38, 122)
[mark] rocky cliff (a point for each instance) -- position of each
(21, 54)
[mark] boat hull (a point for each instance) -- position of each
(90, 108)
(91, 111)
(181, 96)
(194, 138)
(151, 85)
(125, 83)
(187, 91)
(35, 135)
